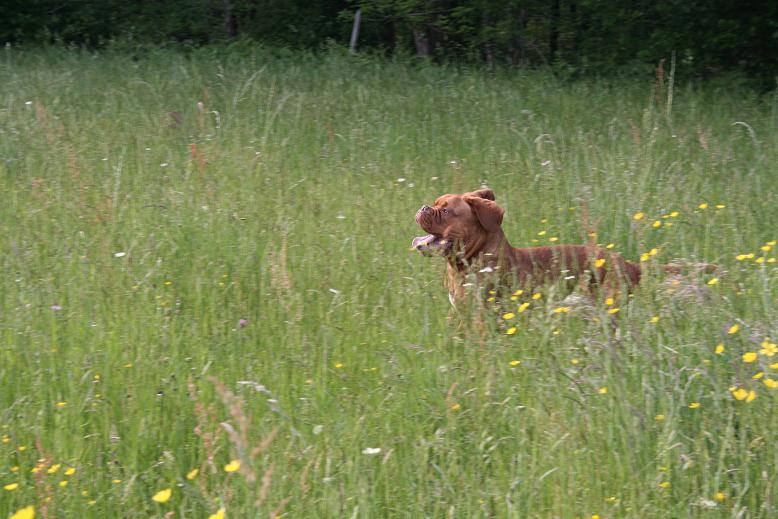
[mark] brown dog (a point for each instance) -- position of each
(466, 230)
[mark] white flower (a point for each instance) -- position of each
(119, 254)
(371, 450)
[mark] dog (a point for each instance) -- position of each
(467, 230)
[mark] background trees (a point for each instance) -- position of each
(578, 36)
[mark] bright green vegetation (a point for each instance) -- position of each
(133, 241)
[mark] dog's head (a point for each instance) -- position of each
(458, 223)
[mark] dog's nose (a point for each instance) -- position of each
(425, 209)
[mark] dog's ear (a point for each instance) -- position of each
(484, 193)
(488, 212)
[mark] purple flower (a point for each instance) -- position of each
(56, 307)
(242, 323)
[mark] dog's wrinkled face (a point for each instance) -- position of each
(456, 221)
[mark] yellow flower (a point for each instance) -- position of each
(703, 205)
(664, 484)
(508, 316)
(740, 394)
(609, 301)
(668, 224)
(613, 310)
(163, 496)
(757, 376)
(561, 309)
(720, 206)
(219, 514)
(536, 296)
(542, 233)
(338, 365)
(192, 474)
(28, 512)
(599, 263)
(772, 384)
(733, 329)
(515, 362)
(70, 471)
(54, 468)
(657, 223)
(511, 330)
(674, 214)
(654, 319)
(653, 252)
(644, 257)
(751, 396)
(749, 356)
(574, 362)
(603, 390)
(518, 292)
(694, 405)
(759, 260)
(713, 281)
(720, 497)
(522, 307)
(766, 248)
(659, 418)
(719, 348)
(638, 216)
(771, 260)
(63, 483)
(61, 404)
(11, 486)
(768, 348)
(610, 245)
(232, 466)
(116, 481)
(553, 238)
(455, 407)
(774, 365)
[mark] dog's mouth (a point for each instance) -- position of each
(430, 244)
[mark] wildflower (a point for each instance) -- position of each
(613, 311)
(522, 307)
(674, 214)
(511, 330)
(751, 396)
(232, 466)
(536, 296)
(720, 206)
(760, 259)
(508, 316)
(163, 496)
(56, 308)
(713, 281)
(518, 292)
(694, 405)
(653, 252)
(770, 260)
(603, 390)
(455, 407)
(740, 394)
(28, 512)
(338, 365)
(192, 474)
(599, 263)
(574, 362)
(168, 283)
(63, 483)
(719, 349)
(515, 363)
(703, 205)
(771, 383)
(664, 484)
(720, 496)
(733, 329)
(553, 238)
(659, 418)
(610, 245)
(656, 224)
(644, 257)
(242, 323)
(61, 404)
(11, 486)
(54, 468)
(757, 376)
(766, 248)
(638, 216)
(749, 356)
(371, 450)
(116, 481)
(768, 348)
(654, 319)
(561, 309)
(70, 471)
(219, 514)
(774, 365)
(609, 301)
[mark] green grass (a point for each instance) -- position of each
(278, 201)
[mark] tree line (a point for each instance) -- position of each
(707, 37)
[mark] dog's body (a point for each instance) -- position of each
(466, 230)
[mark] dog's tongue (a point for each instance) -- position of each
(422, 240)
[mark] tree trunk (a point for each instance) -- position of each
(553, 40)
(229, 20)
(421, 42)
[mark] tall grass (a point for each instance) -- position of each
(205, 259)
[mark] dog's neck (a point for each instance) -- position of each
(490, 250)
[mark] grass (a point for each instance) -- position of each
(205, 260)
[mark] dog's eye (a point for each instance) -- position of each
(444, 211)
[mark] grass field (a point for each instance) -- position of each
(207, 289)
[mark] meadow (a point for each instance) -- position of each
(209, 309)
